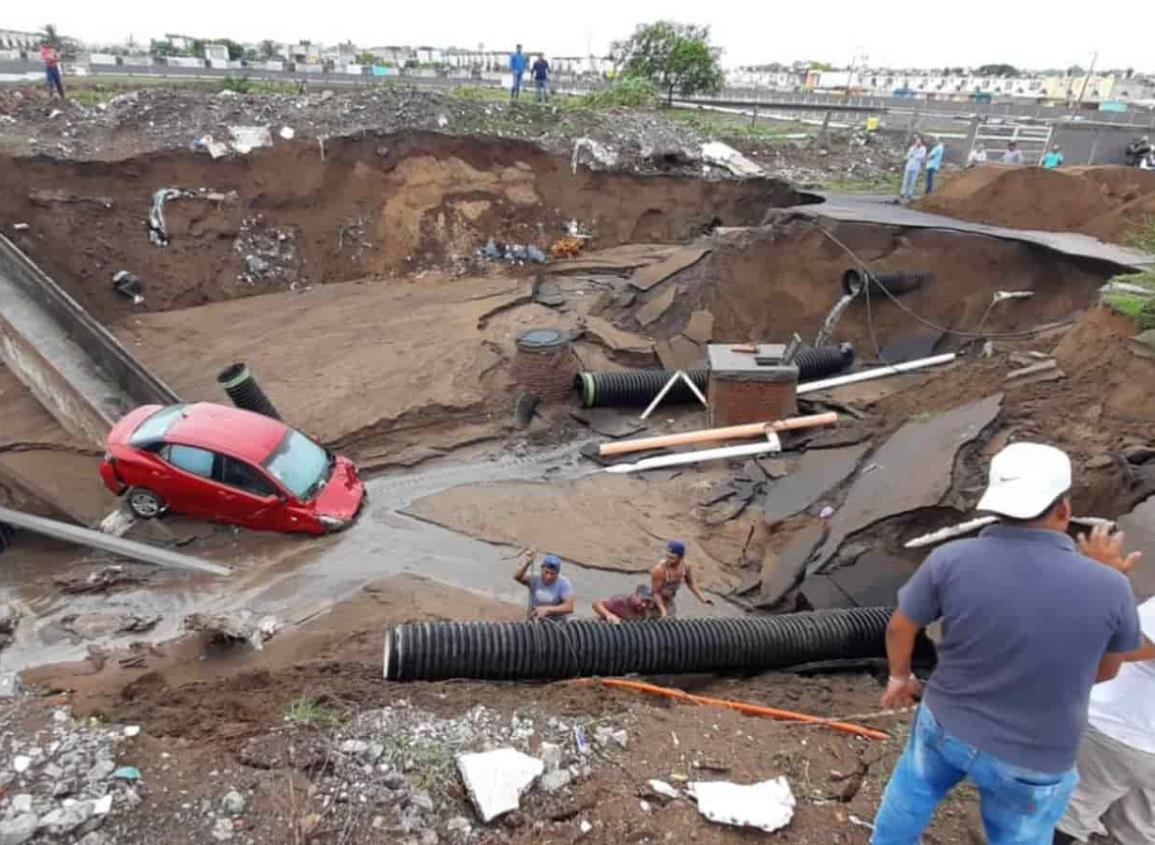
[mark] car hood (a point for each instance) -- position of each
(341, 497)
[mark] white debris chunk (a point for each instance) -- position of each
(767, 805)
(723, 155)
(248, 138)
(664, 789)
(497, 779)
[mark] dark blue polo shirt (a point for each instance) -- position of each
(1026, 620)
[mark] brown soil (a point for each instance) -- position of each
(771, 282)
(1100, 201)
(372, 205)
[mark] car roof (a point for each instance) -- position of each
(232, 431)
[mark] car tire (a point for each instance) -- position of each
(143, 503)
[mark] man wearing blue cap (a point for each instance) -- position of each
(551, 595)
(667, 577)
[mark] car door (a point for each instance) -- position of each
(188, 488)
(246, 496)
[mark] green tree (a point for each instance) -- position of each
(366, 58)
(236, 51)
(50, 33)
(674, 56)
(268, 49)
(996, 70)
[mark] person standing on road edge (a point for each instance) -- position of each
(915, 156)
(1116, 765)
(517, 63)
(1052, 158)
(51, 60)
(934, 163)
(667, 577)
(551, 596)
(1031, 621)
(540, 74)
(1013, 155)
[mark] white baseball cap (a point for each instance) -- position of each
(1025, 479)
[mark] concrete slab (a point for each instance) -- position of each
(873, 580)
(656, 307)
(1139, 526)
(650, 276)
(780, 572)
(871, 210)
(818, 471)
(912, 470)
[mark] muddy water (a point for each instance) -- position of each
(299, 583)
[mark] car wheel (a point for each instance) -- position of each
(144, 503)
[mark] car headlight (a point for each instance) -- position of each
(333, 523)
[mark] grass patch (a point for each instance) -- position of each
(1141, 235)
(716, 124)
(1139, 308)
(429, 765)
(305, 711)
(481, 93)
(629, 93)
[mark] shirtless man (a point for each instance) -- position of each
(667, 577)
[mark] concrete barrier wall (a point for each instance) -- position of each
(104, 350)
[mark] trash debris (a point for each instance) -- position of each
(127, 773)
(131, 730)
(497, 779)
(9, 684)
(1034, 370)
(725, 156)
(20, 227)
(287, 133)
(248, 138)
(242, 626)
(215, 149)
(660, 787)
(157, 229)
(590, 152)
(567, 247)
(128, 285)
(767, 805)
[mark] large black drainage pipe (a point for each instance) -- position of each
(637, 388)
(243, 389)
(854, 280)
(430, 651)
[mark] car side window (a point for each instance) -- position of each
(190, 459)
(244, 476)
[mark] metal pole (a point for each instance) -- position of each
(1086, 79)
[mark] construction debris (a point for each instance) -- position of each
(767, 805)
(240, 627)
(496, 780)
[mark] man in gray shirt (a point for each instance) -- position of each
(1030, 622)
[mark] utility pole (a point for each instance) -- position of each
(1086, 79)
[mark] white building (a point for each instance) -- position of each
(217, 52)
(14, 39)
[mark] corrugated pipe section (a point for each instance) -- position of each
(854, 280)
(637, 388)
(429, 651)
(243, 389)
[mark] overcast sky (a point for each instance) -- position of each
(888, 32)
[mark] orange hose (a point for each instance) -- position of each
(739, 706)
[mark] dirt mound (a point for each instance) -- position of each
(771, 282)
(294, 215)
(1099, 201)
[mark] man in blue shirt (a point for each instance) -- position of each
(933, 163)
(1053, 158)
(1030, 622)
(551, 597)
(517, 63)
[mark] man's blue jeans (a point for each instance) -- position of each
(515, 90)
(931, 172)
(909, 180)
(1019, 806)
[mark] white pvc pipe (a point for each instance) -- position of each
(963, 528)
(878, 372)
(772, 444)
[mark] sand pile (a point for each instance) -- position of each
(1100, 201)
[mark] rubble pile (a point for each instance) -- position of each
(396, 770)
(269, 252)
(62, 784)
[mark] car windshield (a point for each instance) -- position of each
(300, 464)
(156, 426)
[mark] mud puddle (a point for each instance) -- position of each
(296, 579)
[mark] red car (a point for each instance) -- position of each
(228, 465)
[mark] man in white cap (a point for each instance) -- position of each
(1030, 622)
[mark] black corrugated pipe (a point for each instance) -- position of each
(430, 651)
(854, 280)
(637, 388)
(243, 389)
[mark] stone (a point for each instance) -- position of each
(354, 746)
(101, 770)
(9, 684)
(67, 818)
(64, 787)
(497, 779)
(131, 730)
(20, 763)
(233, 803)
(422, 800)
(551, 754)
(95, 838)
(18, 830)
(459, 825)
(1099, 462)
(395, 780)
(223, 830)
(429, 837)
(555, 780)
(621, 737)
(373, 752)
(21, 805)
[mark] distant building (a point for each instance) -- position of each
(14, 39)
(217, 52)
(179, 42)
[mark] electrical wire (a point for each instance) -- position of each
(929, 323)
